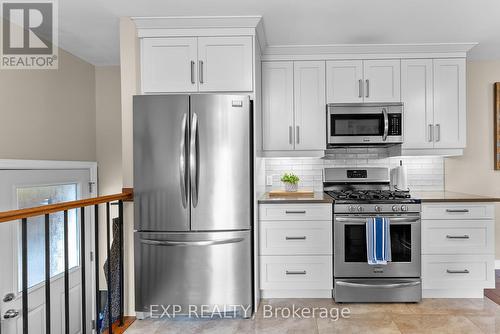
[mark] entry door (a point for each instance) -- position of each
(29, 188)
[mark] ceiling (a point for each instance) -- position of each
(90, 28)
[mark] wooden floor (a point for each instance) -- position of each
(494, 294)
(117, 329)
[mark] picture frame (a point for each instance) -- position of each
(496, 124)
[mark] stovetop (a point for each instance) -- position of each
(368, 194)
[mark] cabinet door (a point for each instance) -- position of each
(382, 80)
(310, 105)
(449, 103)
(416, 94)
(225, 64)
(277, 105)
(169, 65)
(344, 81)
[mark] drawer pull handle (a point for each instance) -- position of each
(449, 271)
(295, 238)
(457, 210)
(295, 211)
(296, 272)
(458, 236)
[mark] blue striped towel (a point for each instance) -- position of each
(378, 240)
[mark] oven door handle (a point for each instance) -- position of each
(392, 220)
(381, 286)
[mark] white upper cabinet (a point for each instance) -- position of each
(309, 102)
(169, 65)
(433, 93)
(205, 64)
(382, 80)
(449, 103)
(344, 81)
(225, 63)
(277, 106)
(351, 81)
(294, 106)
(416, 93)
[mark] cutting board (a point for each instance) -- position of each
(298, 193)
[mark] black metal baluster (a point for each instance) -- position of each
(96, 263)
(122, 286)
(24, 245)
(66, 274)
(82, 268)
(47, 274)
(110, 308)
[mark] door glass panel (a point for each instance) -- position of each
(355, 243)
(401, 243)
(42, 195)
(356, 125)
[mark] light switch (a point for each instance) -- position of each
(269, 180)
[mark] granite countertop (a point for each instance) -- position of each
(450, 196)
(319, 197)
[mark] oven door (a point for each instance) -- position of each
(364, 125)
(350, 247)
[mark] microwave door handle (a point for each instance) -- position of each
(386, 124)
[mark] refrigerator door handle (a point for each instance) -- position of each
(182, 161)
(190, 243)
(193, 160)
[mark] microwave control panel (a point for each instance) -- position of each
(395, 125)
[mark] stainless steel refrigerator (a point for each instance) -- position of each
(193, 204)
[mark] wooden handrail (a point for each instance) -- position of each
(6, 216)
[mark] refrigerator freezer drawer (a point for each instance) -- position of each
(192, 271)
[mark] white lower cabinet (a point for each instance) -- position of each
(458, 249)
(295, 250)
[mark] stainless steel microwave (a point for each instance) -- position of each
(364, 124)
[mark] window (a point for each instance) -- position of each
(41, 195)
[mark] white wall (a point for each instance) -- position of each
(109, 144)
(473, 172)
(129, 61)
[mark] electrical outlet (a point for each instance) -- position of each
(269, 180)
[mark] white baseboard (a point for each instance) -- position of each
(497, 264)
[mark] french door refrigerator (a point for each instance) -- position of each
(193, 204)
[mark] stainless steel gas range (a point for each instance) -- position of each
(360, 193)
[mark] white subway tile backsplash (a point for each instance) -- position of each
(424, 173)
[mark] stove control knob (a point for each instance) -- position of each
(404, 208)
(395, 208)
(351, 208)
(378, 208)
(360, 208)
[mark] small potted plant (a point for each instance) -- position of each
(291, 182)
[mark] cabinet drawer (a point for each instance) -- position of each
(296, 272)
(458, 237)
(295, 212)
(457, 271)
(295, 238)
(458, 211)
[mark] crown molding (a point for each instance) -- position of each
(196, 22)
(353, 51)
